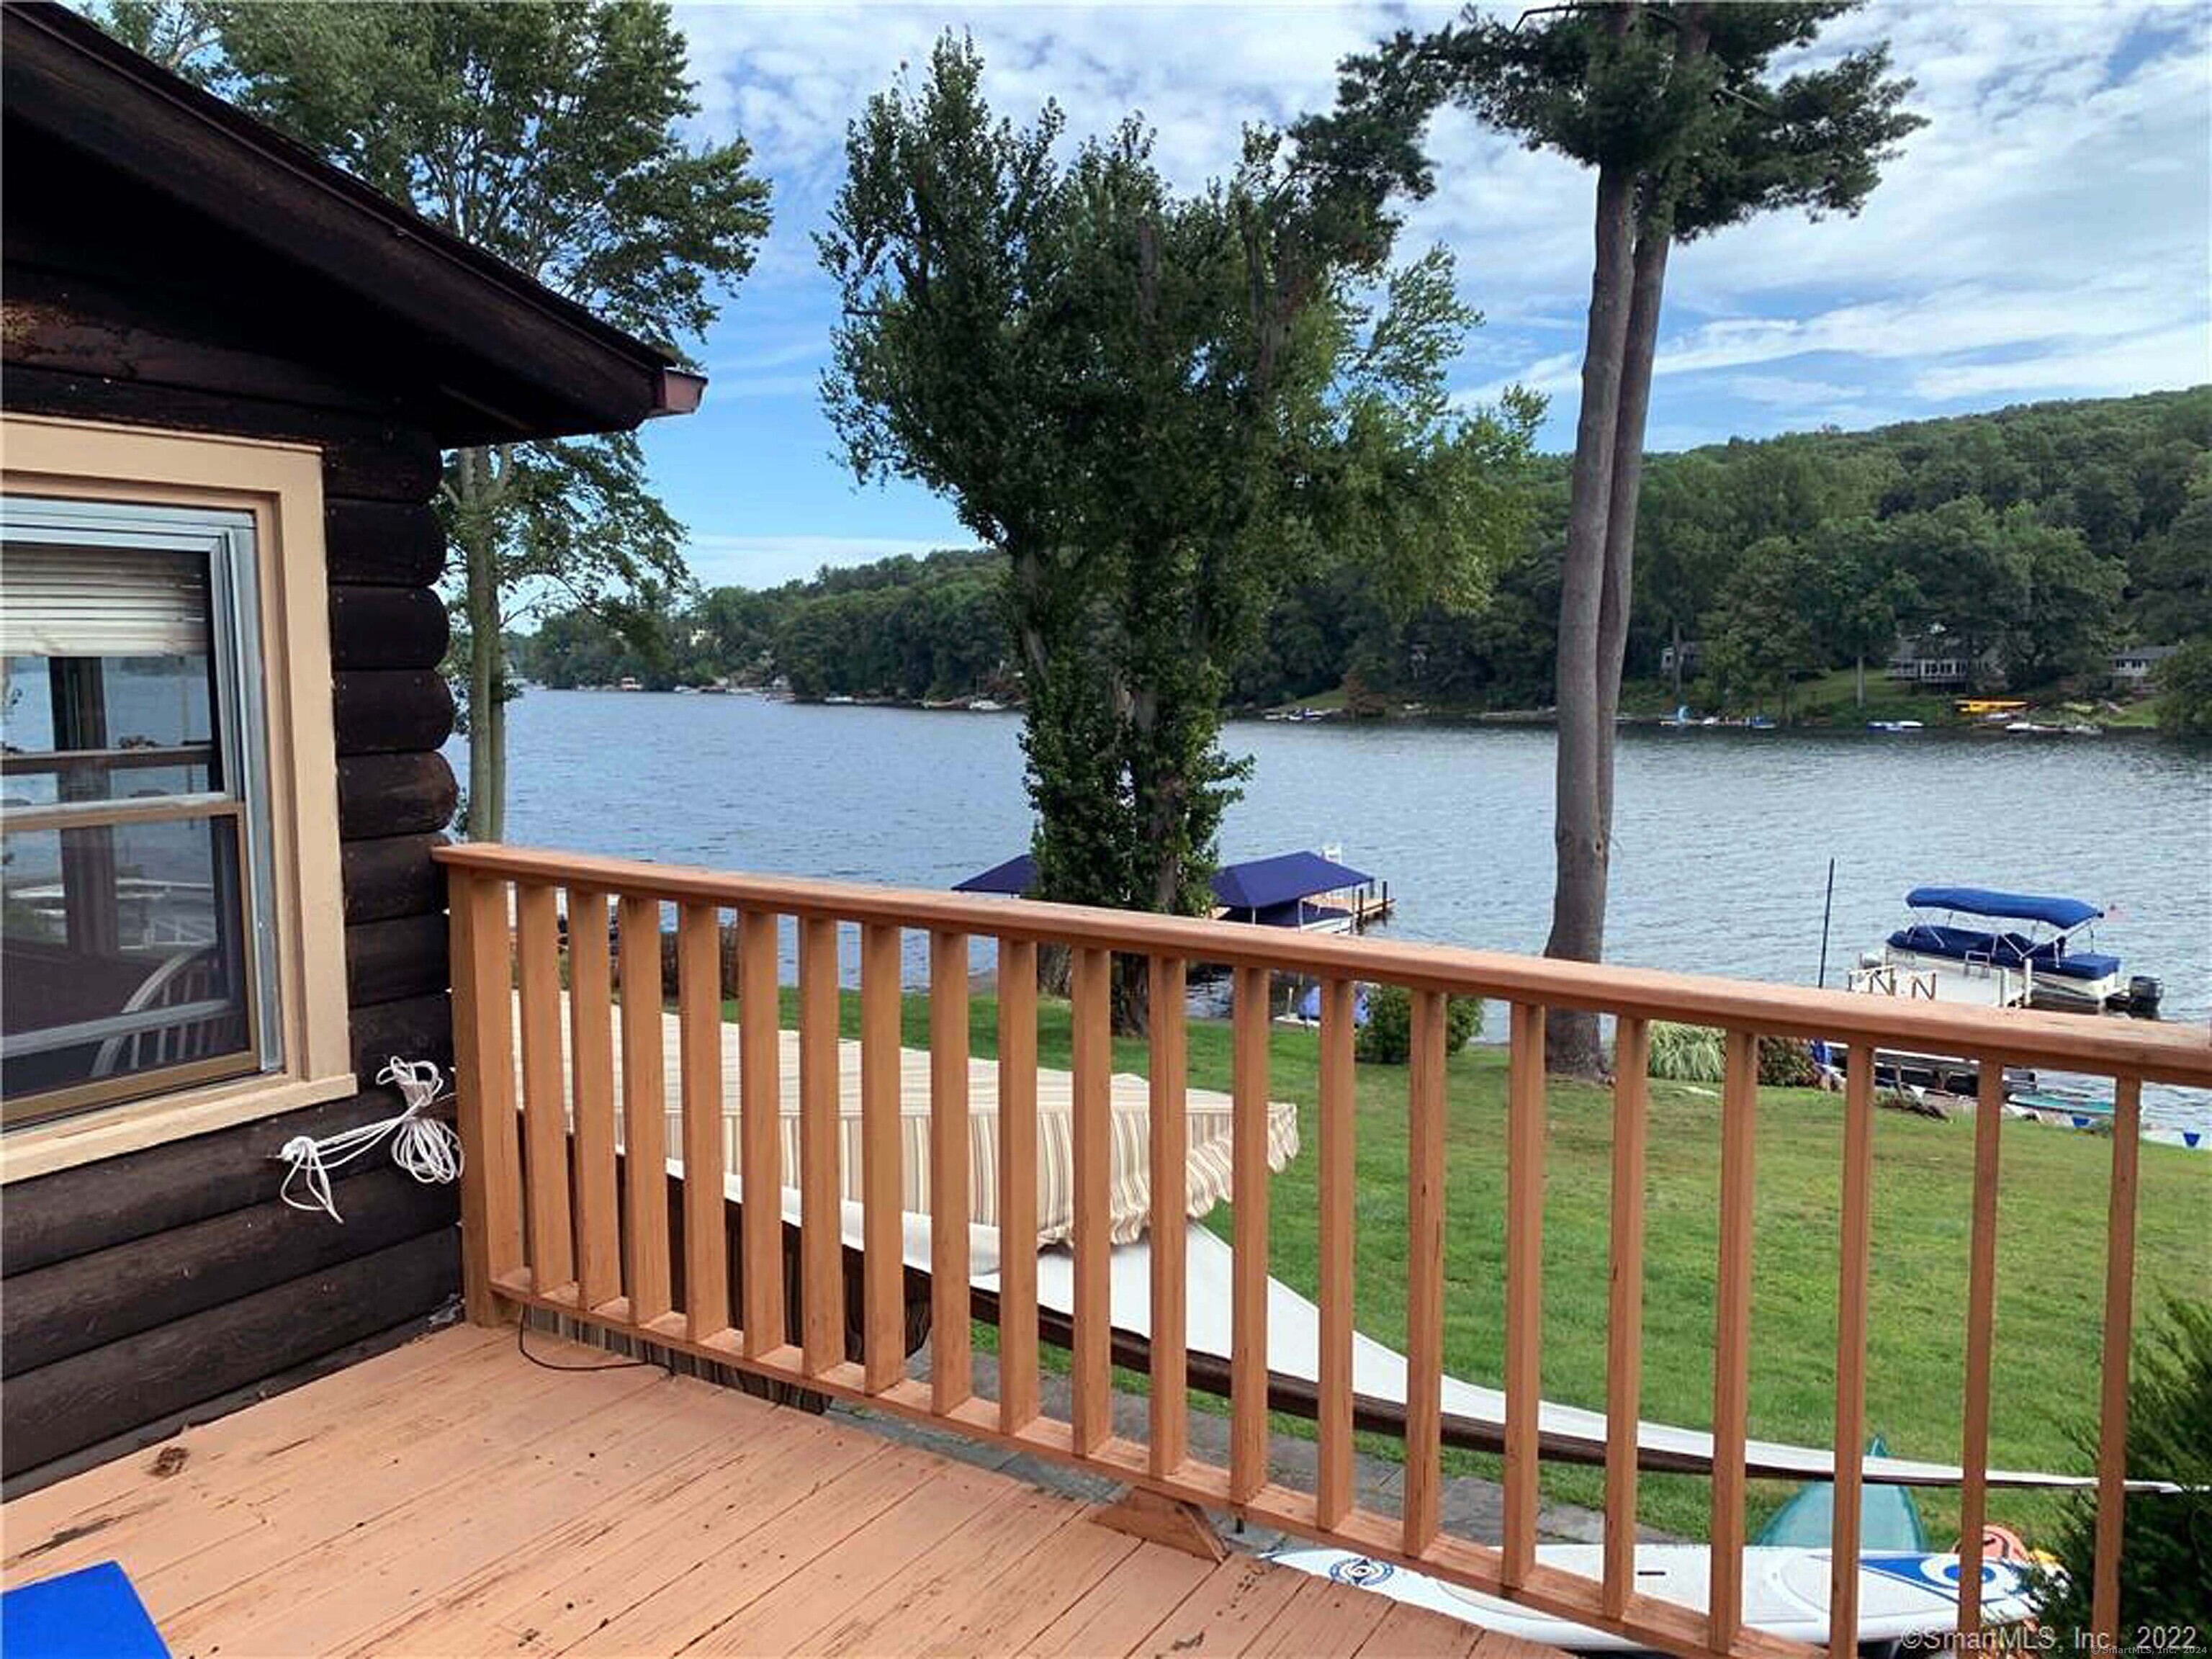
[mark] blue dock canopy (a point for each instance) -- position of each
(1258, 885)
(1014, 878)
(2013, 906)
(1283, 879)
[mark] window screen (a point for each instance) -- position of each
(137, 943)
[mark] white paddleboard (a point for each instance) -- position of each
(1785, 1590)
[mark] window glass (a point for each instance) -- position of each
(122, 951)
(135, 943)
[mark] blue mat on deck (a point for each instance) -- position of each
(89, 1614)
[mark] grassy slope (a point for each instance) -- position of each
(2051, 1264)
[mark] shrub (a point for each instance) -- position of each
(1786, 1063)
(1699, 1053)
(1686, 1054)
(1387, 1039)
(2165, 1538)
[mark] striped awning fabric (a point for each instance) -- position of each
(1207, 1167)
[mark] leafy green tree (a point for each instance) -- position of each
(548, 135)
(2184, 690)
(1675, 107)
(2166, 1537)
(1684, 547)
(1858, 591)
(185, 37)
(2068, 612)
(1164, 409)
(2173, 567)
(1763, 635)
(1970, 575)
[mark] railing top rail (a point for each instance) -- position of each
(2164, 1053)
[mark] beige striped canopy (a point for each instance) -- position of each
(1206, 1167)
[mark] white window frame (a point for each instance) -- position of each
(275, 600)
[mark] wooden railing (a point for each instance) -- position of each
(545, 1225)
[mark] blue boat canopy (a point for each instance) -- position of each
(2014, 906)
(1283, 879)
(1259, 884)
(1014, 878)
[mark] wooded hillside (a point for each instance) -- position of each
(2033, 539)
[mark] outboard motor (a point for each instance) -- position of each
(2143, 992)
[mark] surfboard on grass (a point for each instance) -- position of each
(1785, 1590)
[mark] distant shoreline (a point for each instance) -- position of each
(1934, 722)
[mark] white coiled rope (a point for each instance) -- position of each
(424, 1146)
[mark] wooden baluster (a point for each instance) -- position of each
(483, 1047)
(645, 1113)
(1247, 1195)
(1981, 1341)
(1732, 1336)
(1524, 1285)
(883, 1261)
(699, 1057)
(821, 1239)
(1333, 1482)
(1017, 1185)
(1169, 1143)
(760, 1133)
(1091, 1405)
(950, 1376)
(1425, 1254)
(2119, 1335)
(545, 1095)
(1624, 1331)
(1850, 1347)
(592, 1065)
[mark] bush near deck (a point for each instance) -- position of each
(2051, 1258)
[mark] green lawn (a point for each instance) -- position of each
(2051, 1261)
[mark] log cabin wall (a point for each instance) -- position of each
(168, 1284)
(170, 263)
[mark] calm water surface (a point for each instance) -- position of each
(1722, 840)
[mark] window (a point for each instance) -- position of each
(165, 636)
(141, 942)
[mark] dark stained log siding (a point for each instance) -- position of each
(386, 627)
(93, 1300)
(148, 1286)
(393, 876)
(101, 1392)
(394, 795)
(391, 710)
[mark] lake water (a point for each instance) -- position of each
(1722, 840)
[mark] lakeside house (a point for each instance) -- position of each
(1934, 662)
(230, 371)
(2133, 664)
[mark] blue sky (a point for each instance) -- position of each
(2048, 234)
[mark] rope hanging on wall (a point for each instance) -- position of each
(424, 1146)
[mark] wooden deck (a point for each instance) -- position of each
(452, 1498)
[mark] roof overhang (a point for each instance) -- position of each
(513, 359)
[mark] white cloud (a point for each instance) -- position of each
(2173, 357)
(2049, 231)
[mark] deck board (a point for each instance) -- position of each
(450, 1497)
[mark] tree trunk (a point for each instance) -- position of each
(1674, 632)
(487, 726)
(1632, 255)
(1570, 1043)
(1654, 237)
(1859, 671)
